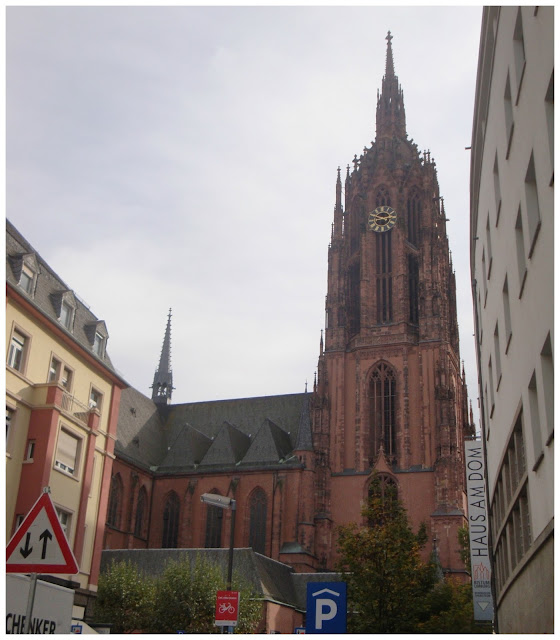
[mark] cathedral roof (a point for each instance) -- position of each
(216, 435)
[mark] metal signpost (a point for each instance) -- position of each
(326, 607)
(39, 546)
(478, 532)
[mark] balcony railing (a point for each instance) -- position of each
(77, 409)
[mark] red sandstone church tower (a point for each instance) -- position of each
(390, 396)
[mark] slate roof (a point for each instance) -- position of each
(208, 436)
(274, 581)
(48, 292)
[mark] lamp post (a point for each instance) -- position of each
(223, 502)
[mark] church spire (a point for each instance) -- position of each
(390, 104)
(162, 386)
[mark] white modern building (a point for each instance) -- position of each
(512, 266)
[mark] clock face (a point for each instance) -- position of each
(382, 219)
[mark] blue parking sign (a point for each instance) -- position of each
(326, 607)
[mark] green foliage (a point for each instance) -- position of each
(449, 609)
(390, 589)
(464, 546)
(124, 598)
(182, 598)
(385, 575)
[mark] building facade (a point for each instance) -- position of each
(390, 396)
(512, 258)
(62, 401)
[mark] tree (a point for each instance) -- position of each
(124, 598)
(385, 575)
(183, 598)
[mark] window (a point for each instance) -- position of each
(532, 200)
(547, 369)
(508, 115)
(549, 108)
(170, 522)
(497, 356)
(65, 518)
(510, 516)
(115, 501)
(519, 51)
(520, 247)
(414, 209)
(66, 315)
(95, 399)
(30, 452)
(484, 273)
(98, 344)
(384, 490)
(66, 378)
(507, 313)
(140, 513)
(27, 279)
(413, 289)
(214, 519)
(382, 398)
(10, 413)
(491, 387)
(497, 190)
(535, 421)
(17, 351)
(489, 246)
(54, 369)
(67, 451)
(257, 522)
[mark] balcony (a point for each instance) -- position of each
(80, 411)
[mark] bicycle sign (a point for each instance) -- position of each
(227, 608)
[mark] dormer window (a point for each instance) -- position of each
(66, 313)
(25, 269)
(27, 280)
(65, 305)
(99, 344)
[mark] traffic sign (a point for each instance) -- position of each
(227, 608)
(326, 607)
(39, 545)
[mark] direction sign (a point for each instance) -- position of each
(227, 608)
(39, 545)
(326, 607)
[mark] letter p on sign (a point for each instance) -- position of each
(326, 607)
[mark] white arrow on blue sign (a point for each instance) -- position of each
(326, 607)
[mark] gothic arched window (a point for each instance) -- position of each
(384, 490)
(214, 519)
(382, 197)
(384, 265)
(382, 394)
(257, 520)
(413, 214)
(170, 522)
(139, 520)
(115, 501)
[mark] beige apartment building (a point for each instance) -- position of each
(512, 265)
(62, 402)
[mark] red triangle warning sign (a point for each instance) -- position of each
(39, 545)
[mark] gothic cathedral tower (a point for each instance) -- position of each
(390, 396)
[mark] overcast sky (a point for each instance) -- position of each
(186, 158)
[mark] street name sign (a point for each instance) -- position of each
(39, 545)
(326, 607)
(478, 531)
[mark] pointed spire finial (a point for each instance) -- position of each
(162, 386)
(389, 65)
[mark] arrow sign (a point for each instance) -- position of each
(39, 545)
